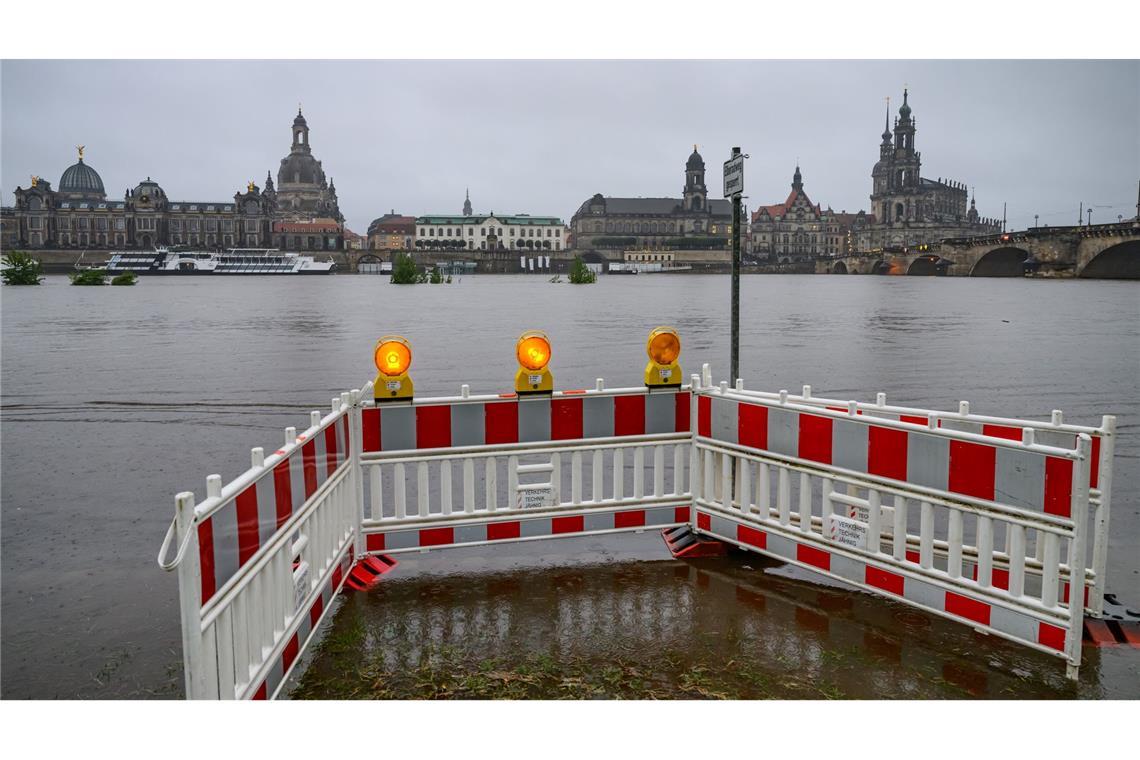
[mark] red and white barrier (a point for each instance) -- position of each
(260, 560)
(507, 419)
(1021, 476)
(833, 487)
(760, 446)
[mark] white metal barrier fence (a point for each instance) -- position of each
(935, 509)
(483, 469)
(867, 500)
(260, 560)
(1054, 432)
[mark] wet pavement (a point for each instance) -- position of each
(574, 619)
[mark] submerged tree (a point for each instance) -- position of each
(404, 271)
(89, 277)
(21, 268)
(580, 274)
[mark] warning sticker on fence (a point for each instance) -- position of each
(847, 532)
(863, 513)
(300, 584)
(533, 498)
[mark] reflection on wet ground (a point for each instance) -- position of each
(737, 628)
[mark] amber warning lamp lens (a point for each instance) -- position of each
(393, 357)
(533, 354)
(664, 348)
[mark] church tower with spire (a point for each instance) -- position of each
(467, 203)
(907, 208)
(695, 194)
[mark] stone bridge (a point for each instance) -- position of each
(1101, 251)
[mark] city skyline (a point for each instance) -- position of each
(535, 140)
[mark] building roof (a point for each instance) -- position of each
(781, 209)
(517, 220)
(81, 179)
(392, 223)
(654, 206)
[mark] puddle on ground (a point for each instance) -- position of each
(605, 627)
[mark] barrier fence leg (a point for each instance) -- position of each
(189, 592)
(356, 436)
(1103, 511)
(1080, 505)
(695, 481)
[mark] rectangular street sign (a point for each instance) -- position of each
(734, 176)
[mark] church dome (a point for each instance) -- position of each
(299, 121)
(81, 179)
(695, 161)
(300, 168)
(904, 109)
(149, 189)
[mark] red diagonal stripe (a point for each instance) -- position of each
(965, 607)
(433, 426)
(282, 491)
(370, 422)
(206, 557)
(246, 506)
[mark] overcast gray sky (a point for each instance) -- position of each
(541, 137)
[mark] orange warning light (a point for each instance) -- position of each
(533, 350)
(393, 356)
(664, 345)
(664, 348)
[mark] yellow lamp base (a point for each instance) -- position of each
(529, 381)
(387, 388)
(662, 375)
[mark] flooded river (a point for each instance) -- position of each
(116, 398)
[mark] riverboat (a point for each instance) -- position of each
(163, 260)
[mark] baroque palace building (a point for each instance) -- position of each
(797, 230)
(603, 222)
(301, 213)
(908, 209)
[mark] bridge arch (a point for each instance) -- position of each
(880, 267)
(839, 268)
(1006, 261)
(1121, 261)
(924, 266)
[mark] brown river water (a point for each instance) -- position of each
(114, 399)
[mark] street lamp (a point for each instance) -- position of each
(1090, 216)
(1035, 220)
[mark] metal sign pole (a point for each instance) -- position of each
(734, 358)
